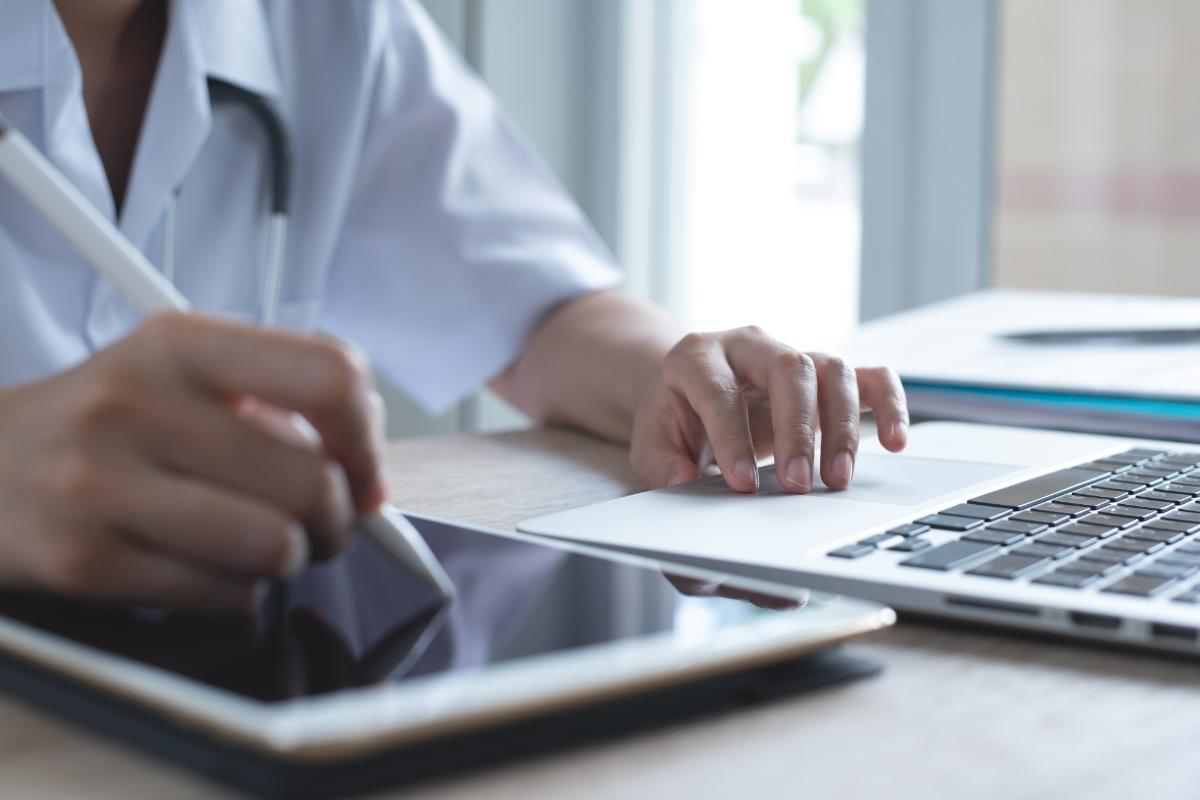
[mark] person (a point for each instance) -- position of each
(142, 461)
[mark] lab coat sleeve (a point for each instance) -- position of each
(458, 241)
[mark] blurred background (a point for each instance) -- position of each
(807, 164)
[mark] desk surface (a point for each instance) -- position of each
(955, 714)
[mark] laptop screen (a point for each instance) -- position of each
(363, 619)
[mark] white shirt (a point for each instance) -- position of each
(423, 229)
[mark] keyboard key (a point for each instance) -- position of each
(1182, 459)
(1189, 547)
(1043, 551)
(1190, 480)
(1113, 486)
(1140, 586)
(1139, 453)
(1081, 500)
(1065, 540)
(1089, 567)
(951, 555)
(1103, 556)
(1176, 557)
(1107, 520)
(949, 523)
(994, 537)
(1130, 556)
(1158, 569)
(1134, 545)
(1036, 490)
(1085, 529)
(976, 511)
(1130, 513)
(1182, 516)
(1067, 580)
(1060, 508)
(1015, 526)
(1154, 535)
(1008, 566)
(853, 551)
(1127, 487)
(1040, 517)
(1179, 487)
(1144, 505)
(1104, 466)
(913, 544)
(1164, 471)
(1166, 497)
(1103, 494)
(882, 540)
(1140, 478)
(1176, 525)
(910, 529)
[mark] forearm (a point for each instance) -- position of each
(586, 365)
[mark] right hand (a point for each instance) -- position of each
(143, 477)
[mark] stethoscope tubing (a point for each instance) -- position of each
(279, 146)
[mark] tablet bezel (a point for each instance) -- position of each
(356, 723)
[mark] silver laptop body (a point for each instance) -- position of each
(1085, 536)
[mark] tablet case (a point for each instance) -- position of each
(444, 757)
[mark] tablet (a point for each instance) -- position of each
(357, 675)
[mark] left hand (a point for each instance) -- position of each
(748, 396)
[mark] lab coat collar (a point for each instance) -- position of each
(237, 45)
(223, 38)
(176, 124)
(233, 36)
(22, 42)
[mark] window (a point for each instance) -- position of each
(767, 178)
(1098, 167)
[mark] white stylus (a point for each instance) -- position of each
(114, 257)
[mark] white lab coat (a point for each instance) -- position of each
(423, 228)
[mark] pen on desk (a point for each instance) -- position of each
(114, 257)
(1102, 335)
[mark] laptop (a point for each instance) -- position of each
(1085, 536)
(361, 675)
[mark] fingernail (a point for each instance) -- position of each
(745, 471)
(900, 432)
(680, 475)
(799, 473)
(842, 468)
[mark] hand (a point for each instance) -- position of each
(150, 474)
(747, 396)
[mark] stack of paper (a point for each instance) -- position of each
(956, 364)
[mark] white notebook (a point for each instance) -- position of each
(957, 342)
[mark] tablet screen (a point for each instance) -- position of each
(363, 619)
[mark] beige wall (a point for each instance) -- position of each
(1098, 141)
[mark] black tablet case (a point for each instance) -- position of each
(406, 765)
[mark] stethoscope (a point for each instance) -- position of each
(279, 145)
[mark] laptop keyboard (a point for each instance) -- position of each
(1127, 524)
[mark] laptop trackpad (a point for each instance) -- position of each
(883, 478)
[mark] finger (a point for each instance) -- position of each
(662, 451)
(132, 575)
(837, 400)
(325, 382)
(216, 530)
(238, 454)
(880, 390)
(707, 381)
(790, 380)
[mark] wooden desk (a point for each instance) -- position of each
(956, 714)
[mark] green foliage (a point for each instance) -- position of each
(835, 19)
